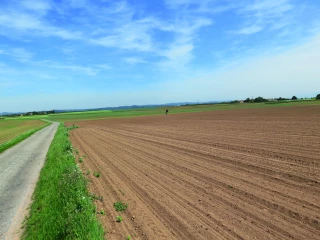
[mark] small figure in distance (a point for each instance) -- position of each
(167, 111)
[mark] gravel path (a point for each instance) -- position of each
(19, 172)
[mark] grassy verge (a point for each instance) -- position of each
(62, 207)
(20, 138)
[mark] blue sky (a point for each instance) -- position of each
(88, 53)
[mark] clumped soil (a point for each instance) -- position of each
(236, 174)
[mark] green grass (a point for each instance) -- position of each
(85, 112)
(107, 114)
(11, 128)
(172, 110)
(20, 138)
(62, 208)
(120, 206)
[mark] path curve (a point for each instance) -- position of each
(19, 171)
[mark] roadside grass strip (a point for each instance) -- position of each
(62, 207)
(20, 138)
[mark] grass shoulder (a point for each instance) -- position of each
(62, 207)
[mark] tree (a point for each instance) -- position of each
(247, 100)
(281, 99)
(260, 99)
(318, 97)
(294, 98)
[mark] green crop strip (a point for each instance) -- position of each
(62, 207)
(20, 138)
(107, 114)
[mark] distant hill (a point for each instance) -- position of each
(135, 106)
(8, 113)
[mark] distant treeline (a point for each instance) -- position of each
(29, 113)
(261, 99)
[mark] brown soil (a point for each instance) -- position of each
(240, 174)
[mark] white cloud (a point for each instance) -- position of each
(88, 70)
(179, 52)
(64, 34)
(269, 8)
(19, 21)
(203, 6)
(78, 3)
(40, 6)
(248, 30)
(21, 54)
(30, 24)
(177, 56)
(190, 27)
(103, 66)
(119, 7)
(181, 3)
(134, 60)
(18, 54)
(131, 35)
(265, 14)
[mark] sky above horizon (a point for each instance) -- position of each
(72, 54)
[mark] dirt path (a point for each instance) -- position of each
(241, 174)
(19, 172)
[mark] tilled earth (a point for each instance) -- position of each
(239, 174)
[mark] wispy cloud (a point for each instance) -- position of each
(88, 70)
(28, 24)
(40, 6)
(177, 56)
(132, 36)
(179, 52)
(248, 30)
(202, 6)
(78, 3)
(197, 4)
(133, 60)
(18, 54)
(103, 66)
(265, 15)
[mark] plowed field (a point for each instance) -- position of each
(234, 174)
